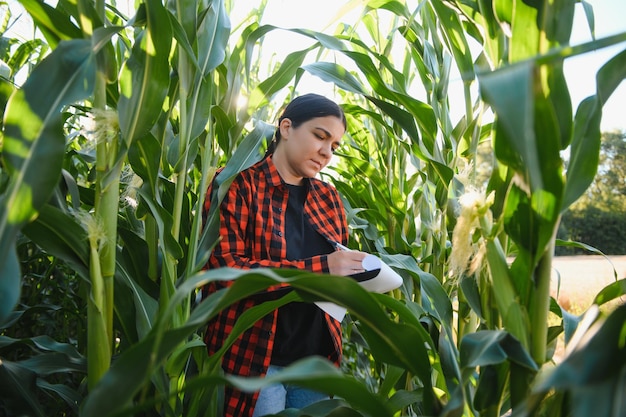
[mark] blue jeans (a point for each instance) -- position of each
(277, 397)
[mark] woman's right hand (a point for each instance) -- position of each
(346, 262)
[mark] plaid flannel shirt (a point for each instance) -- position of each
(252, 230)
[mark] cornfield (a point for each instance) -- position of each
(110, 143)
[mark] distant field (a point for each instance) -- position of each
(582, 277)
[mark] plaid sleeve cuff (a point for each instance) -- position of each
(317, 264)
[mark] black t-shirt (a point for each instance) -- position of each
(301, 329)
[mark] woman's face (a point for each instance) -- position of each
(305, 150)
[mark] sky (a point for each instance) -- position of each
(610, 18)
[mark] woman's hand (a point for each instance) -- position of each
(345, 262)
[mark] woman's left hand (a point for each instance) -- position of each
(346, 262)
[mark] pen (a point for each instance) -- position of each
(340, 246)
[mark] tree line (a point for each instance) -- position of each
(598, 218)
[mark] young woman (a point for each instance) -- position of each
(276, 214)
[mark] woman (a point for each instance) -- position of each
(276, 214)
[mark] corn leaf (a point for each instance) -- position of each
(145, 76)
(34, 143)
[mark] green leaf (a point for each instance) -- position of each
(434, 298)
(9, 283)
(393, 374)
(561, 103)
(285, 73)
(145, 157)
(135, 366)
(145, 306)
(320, 375)
(178, 32)
(580, 245)
(34, 142)
(71, 187)
(400, 344)
(421, 112)
(60, 235)
(249, 39)
(514, 314)
(509, 92)
(165, 221)
(503, 10)
(584, 152)
(526, 26)
(55, 25)
(200, 105)
(613, 291)
(455, 37)
(327, 41)
(213, 33)
(330, 72)
(19, 389)
(472, 295)
(223, 125)
(313, 373)
(25, 53)
(70, 396)
(51, 363)
(610, 76)
(492, 347)
(530, 222)
(212, 37)
(491, 386)
(585, 149)
(144, 78)
(247, 320)
(46, 343)
(397, 7)
(101, 38)
(593, 373)
(336, 74)
(404, 119)
(548, 130)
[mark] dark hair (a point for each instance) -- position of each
(304, 108)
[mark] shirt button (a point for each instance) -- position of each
(280, 234)
(280, 209)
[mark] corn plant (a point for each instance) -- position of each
(465, 335)
(530, 190)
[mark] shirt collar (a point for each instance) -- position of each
(273, 177)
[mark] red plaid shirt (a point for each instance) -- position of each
(252, 228)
